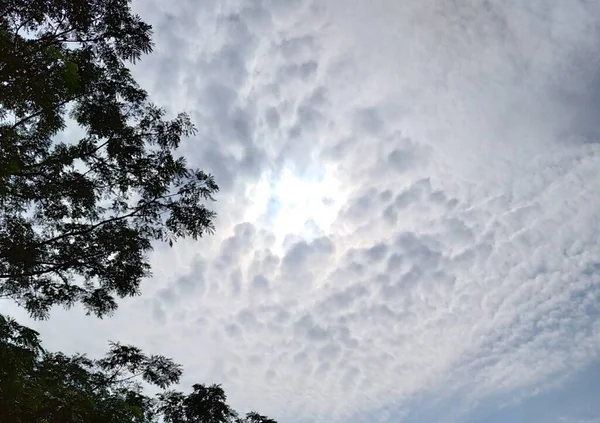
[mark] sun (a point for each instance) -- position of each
(305, 206)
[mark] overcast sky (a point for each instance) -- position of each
(409, 215)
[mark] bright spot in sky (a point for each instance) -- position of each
(306, 206)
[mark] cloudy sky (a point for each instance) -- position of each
(409, 216)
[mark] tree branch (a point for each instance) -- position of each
(128, 378)
(50, 161)
(56, 267)
(81, 157)
(39, 112)
(111, 379)
(53, 36)
(30, 274)
(104, 222)
(19, 28)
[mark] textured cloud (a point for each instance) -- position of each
(409, 204)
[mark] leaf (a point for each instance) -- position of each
(71, 77)
(13, 167)
(137, 411)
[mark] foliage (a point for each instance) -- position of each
(79, 216)
(39, 386)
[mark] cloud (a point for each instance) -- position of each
(448, 155)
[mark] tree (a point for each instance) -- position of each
(78, 217)
(206, 404)
(39, 386)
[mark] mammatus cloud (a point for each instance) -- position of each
(409, 203)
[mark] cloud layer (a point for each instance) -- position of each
(409, 202)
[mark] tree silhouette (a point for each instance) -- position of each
(78, 216)
(39, 386)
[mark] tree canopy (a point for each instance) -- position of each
(78, 217)
(37, 386)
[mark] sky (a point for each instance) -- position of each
(408, 226)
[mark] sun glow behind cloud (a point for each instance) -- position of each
(290, 205)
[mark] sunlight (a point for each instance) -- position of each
(292, 205)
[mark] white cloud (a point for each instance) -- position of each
(452, 243)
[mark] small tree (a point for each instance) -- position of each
(39, 386)
(78, 217)
(206, 404)
(44, 387)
